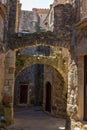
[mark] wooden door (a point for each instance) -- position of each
(48, 97)
(23, 94)
(85, 87)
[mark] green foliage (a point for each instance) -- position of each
(6, 6)
(20, 63)
(3, 126)
(56, 53)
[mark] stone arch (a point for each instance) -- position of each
(19, 40)
(63, 37)
(55, 62)
(10, 70)
(59, 61)
(59, 90)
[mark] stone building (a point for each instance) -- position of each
(4, 31)
(28, 21)
(42, 13)
(69, 33)
(32, 21)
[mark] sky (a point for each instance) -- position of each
(29, 4)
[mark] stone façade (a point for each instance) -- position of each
(76, 47)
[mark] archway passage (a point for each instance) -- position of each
(46, 88)
(48, 97)
(23, 93)
(53, 99)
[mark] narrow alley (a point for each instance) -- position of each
(35, 119)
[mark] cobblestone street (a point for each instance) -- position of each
(35, 119)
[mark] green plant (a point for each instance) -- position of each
(56, 53)
(3, 125)
(6, 6)
(20, 63)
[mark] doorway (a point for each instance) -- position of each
(23, 94)
(85, 87)
(48, 97)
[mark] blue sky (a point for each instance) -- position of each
(29, 4)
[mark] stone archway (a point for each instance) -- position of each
(61, 36)
(58, 99)
(59, 63)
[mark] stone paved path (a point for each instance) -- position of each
(36, 119)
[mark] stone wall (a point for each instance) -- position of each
(9, 85)
(42, 13)
(2, 74)
(2, 58)
(80, 51)
(63, 21)
(58, 91)
(64, 36)
(18, 13)
(1, 29)
(12, 6)
(28, 21)
(26, 76)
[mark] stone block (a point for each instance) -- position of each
(8, 115)
(9, 76)
(84, 127)
(11, 70)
